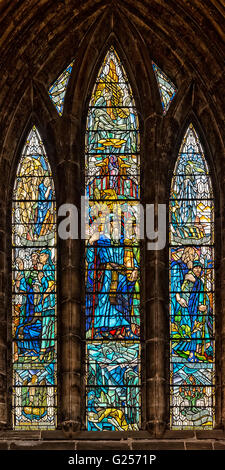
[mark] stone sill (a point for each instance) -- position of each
(59, 435)
(102, 445)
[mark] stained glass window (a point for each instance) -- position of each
(167, 89)
(192, 343)
(34, 290)
(112, 171)
(57, 90)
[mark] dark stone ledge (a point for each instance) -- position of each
(214, 434)
(92, 435)
(4, 445)
(219, 445)
(59, 435)
(178, 434)
(40, 445)
(26, 435)
(199, 445)
(102, 445)
(157, 445)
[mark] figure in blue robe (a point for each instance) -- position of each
(46, 306)
(111, 312)
(28, 332)
(44, 203)
(200, 319)
(194, 316)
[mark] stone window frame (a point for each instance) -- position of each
(160, 138)
(191, 117)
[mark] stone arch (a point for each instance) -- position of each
(203, 251)
(34, 317)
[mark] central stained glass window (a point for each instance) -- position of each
(112, 170)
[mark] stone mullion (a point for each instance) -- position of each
(220, 323)
(4, 404)
(155, 269)
(3, 373)
(163, 318)
(69, 331)
(150, 280)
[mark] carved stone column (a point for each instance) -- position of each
(3, 310)
(155, 311)
(69, 309)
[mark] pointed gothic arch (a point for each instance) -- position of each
(112, 301)
(34, 289)
(192, 287)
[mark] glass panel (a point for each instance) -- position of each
(112, 268)
(57, 91)
(167, 89)
(34, 259)
(192, 285)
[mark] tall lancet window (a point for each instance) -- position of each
(192, 369)
(34, 290)
(112, 170)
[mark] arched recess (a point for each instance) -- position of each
(113, 28)
(89, 61)
(112, 253)
(192, 288)
(34, 290)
